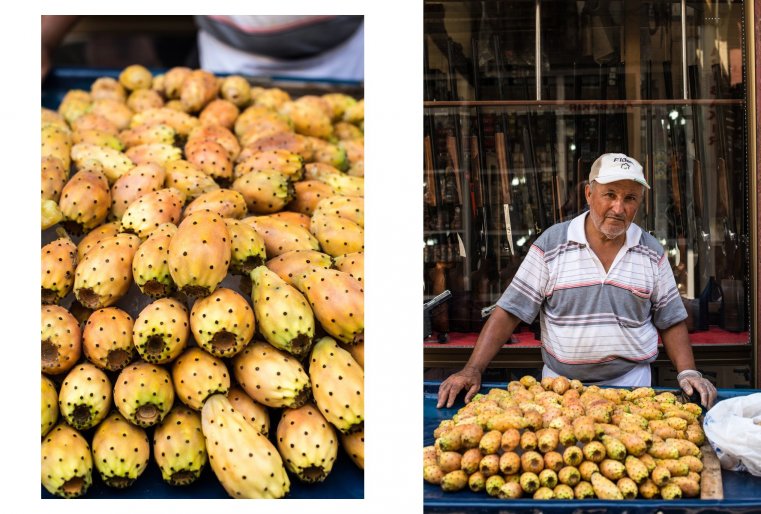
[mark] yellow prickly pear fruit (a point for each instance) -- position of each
(604, 488)
(509, 490)
(255, 413)
(490, 442)
(511, 438)
(135, 77)
(271, 377)
(690, 488)
(74, 104)
(432, 474)
(449, 461)
(236, 89)
(190, 180)
(633, 443)
(56, 147)
(544, 493)
(307, 443)
(219, 112)
(451, 440)
(105, 272)
(477, 482)
(197, 375)
(66, 463)
(198, 89)
(660, 475)
(532, 461)
(61, 339)
(337, 385)
(614, 448)
(569, 475)
(505, 421)
(663, 450)
(573, 455)
(677, 468)
(693, 463)
(628, 488)
(489, 464)
(547, 439)
(337, 235)
(179, 446)
(265, 192)
(222, 323)
(354, 446)
(138, 181)
(454, 481)
(671, 491)
(563, 492)
(583, 490)
(85, 200)
(594, 451)
(529, 440)
(52, 178)
(636, 469)
(548, 478)
(685, 447)
(238, 452)
(471, 459)
(648, 489)
(49, 405)
(120, 451)
(181, 122)
(285, 319)
(587, 469)
(553, 461)
(218, 134)
(144, 99)
(155, 208)
(59, 261)
(308, 194)
(612, 469)
(199, 253)
(337, 300)
(529, 482)
(471, 435)
(584, 429)
(50, 214)
(695, 434)
(509, 463)
(283, 161)
(114, 163)
(494, 483)
(173, 79)
(282, 236)
(293, 264)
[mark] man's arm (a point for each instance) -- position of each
(497, 330)
(677, 345)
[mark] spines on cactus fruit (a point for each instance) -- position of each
(161, 331)
(85, 396)
(105, 272)
(49, 405)
(293, 264)
(120, 451)
(85, 200)
(247, 247)
(66, 463)
(307, 443)
(179, 446)
(107, 338)
(197, 375)
(223, 323)
(255, 413)
(61, 339)
(143, 393)
(59, 261)
(150, 266)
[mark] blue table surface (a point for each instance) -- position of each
(742, 491)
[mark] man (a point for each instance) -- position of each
(605, 292)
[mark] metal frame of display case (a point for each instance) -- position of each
(520, 356)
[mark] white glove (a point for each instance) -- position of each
(691, 380)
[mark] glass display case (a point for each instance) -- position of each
(522, 96)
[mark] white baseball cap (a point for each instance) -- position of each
(610, 167)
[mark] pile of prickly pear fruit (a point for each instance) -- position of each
(202, 272)
(559, 439)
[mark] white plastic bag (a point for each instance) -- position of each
(733, 427)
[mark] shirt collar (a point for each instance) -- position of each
(576, 232)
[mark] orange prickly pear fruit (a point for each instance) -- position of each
(85, 200)
(225, 202)
(120, 451)
(108, 87)
(307, 443)
(187, 178)
(291, 265)
(605, 489)
(49, 404)
(255, 413)
(144, 99)
(197, 375)
(137, 182)
(282, 236)
(61, 339)
(143, 393)
(210, 157)
(159, 153)
(337, 235)
(59, 261)
(104, 274)
(150, 266)
(265, 192)
(151, 210)
(198, 89)
(179, 446)
(181, 122)
(219, 112)
(173, 79)
(107, 338)
(287, 163)
(308, 194)
(161, 331)
(53, 178)
(218, 134)
(199, 253)
(222, 323)
(236, 89)
(66, 463)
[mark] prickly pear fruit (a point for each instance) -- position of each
(181, 122)
(337, 235)
(354, 446)
(287, 140)
(59, 261)
(179, 446)
(74, 104)
(161, 331)
(270, 376)
(96, 235)
(92, 121)
(198, 89)
(98, 138)
(144, 99)
(187, 178)
(328, 153)
(338, 103)
(294, 218)
(120, 451)
(51, 117)
(293, 264)
(245, 462)
(49, 405)
(271, 98)
(222, 323)
(210, 157)
(148, 134)
(135, 76)
(265, 192)
(61, 339)
(66, 464)
(285, 318)
(255, 413)
(347, 132)
(52, 177)
(338, 385)
(635, 469)
(218, 134)
(308, 194)
(105, 272)
(225, 202)
(307, 119)
(351, 208)
(346, 185)
(614, 448)
(115, 163)
(143, 393)
(85, 200)
(612, 469)
(199, 253)
(85, 396)
(236, 89)
(219, 112)
(197, 375)
(107, 338)
(605, 489)
(307, 443)
(262, 128)
(281, 236)
(151, 210)
(108, 87)
(247, 247)
(50, 214)
(287, 163)
(671, 491)
(337, 300)
(56, 144)
(173, 79)
(150, 266)
(157, 153)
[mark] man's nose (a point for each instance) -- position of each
(617, 206)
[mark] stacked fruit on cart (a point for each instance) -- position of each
(560, 439)
(206, 273)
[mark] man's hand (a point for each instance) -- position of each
(693, 381)
(466, 379)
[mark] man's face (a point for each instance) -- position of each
(612, 207)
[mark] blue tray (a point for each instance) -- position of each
(742, 491)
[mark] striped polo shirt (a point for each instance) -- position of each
(595, 325)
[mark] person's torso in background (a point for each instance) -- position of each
(316, 47)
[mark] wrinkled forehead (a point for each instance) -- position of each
(621, 187)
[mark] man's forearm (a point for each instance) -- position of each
(497, 330)
(677, 344)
